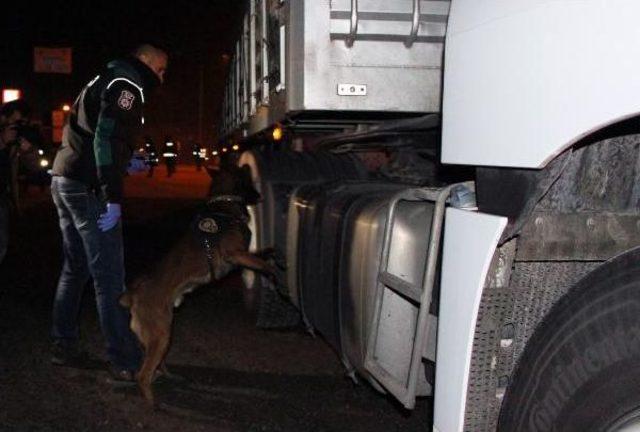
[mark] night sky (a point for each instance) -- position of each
(197, 34)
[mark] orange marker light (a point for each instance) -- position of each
(277, 133)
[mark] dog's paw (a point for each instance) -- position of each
(277, 260)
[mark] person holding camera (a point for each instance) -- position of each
(8, 189)
(87, 188)
(14, 116)
(196, 152)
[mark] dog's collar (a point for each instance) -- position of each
(226, 198)
(208, 250)
(209, 229)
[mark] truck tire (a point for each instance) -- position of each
(581, 369)
(275, 174)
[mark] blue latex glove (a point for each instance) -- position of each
(136, 165)
(108, 220)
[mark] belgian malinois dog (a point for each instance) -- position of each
(216, 243)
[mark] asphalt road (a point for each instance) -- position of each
(236, 377)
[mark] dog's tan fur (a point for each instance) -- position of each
(152, 298)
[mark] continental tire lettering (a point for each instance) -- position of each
(616, 346)
(566, 386)
(568, 378)
(582, 364)
(539, 420)
(634, 339)
(591, 361)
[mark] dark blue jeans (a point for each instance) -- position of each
(89, 252)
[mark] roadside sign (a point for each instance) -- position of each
(52, 60)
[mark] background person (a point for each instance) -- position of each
(170, 155)
(14, 139)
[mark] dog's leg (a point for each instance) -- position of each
(155, 342)
(273, 256)
(154, 353)
(266, 253)
(249, 260)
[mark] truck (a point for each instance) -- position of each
(454, 187)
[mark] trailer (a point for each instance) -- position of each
(457, 196)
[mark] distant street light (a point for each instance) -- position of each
(66, 108)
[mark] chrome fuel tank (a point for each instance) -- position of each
(334, 247)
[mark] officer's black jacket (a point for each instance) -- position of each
(98, 139)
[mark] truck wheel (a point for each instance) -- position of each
(271, 170)
(581, 369)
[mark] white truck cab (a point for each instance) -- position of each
(457, 191)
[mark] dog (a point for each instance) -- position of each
(217, 242)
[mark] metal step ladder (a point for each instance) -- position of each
(392, 287)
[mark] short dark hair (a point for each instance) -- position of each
(19, 105)
(149, 48)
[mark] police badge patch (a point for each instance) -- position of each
(208, 225)
(125, 101)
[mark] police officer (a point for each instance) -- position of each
(170, 155)
(87, 189)
(197, 153)
(151, 155)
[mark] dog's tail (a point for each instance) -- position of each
(125, 300)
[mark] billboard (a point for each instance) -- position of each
(52, 60)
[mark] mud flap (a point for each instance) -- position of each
(468, 249)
